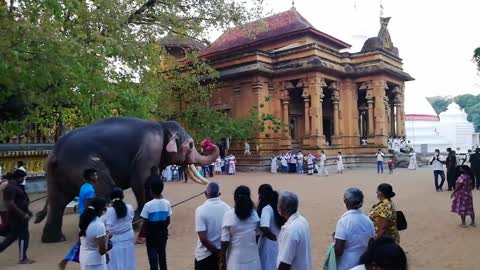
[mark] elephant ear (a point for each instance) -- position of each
(172, 144)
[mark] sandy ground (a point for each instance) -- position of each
(433, 240)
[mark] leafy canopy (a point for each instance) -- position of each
(70, 62)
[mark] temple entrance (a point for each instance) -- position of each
(296, 117)
(327, 120)
(362, 114)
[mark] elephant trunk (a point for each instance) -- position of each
(198, 159)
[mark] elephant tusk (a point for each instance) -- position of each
(199, 177)
(192, 175)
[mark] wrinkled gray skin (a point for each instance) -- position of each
(122, 150)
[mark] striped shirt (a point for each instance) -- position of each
(156, 213)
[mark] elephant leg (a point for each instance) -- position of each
(139, 192)
(52, 232)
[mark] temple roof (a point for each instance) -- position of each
(171, 40)
(272, 27)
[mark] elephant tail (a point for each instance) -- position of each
(42, 214)
(50, 168)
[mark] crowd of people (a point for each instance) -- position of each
(399, 144)
(270, 234)
(297, 162)
(463, 176)
(227, 237)
(221, 166)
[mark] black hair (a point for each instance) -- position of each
(88, 173)
(386, 190)
(385, 254)
(269, 197)
(8, 176)
(95, 209)
(156, 186)
(117, 202)
(20, 163)
(18, 174)
(243, 202)
(465, 169)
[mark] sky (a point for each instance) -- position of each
(436, 38)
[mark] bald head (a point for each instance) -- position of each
(213, 190)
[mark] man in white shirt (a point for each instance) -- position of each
(208, 225)
(323, 159)
(353, 232)
(437, 162)
(310, 159)
(380, 156)
(294, 247)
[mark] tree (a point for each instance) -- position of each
(439, 104)
(476, 57)
(73, 62)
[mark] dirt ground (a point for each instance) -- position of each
(433, 240)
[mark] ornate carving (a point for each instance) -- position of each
(317, 80)
(306, 93)
(366, 85)
(382, 41)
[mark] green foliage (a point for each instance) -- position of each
(205, 122)
(470, 103)
(75, 62)
(476, 57)
(439, 104)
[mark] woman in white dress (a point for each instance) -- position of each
(93, 237)
(412, 165)
(218, 166)
(270, 224)
(231, 166)
(239, 231)
(118, 221)
(273, 165)
(339, 161)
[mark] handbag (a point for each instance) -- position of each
(401, 221)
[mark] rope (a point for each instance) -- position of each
(184, 201)
(38, 199)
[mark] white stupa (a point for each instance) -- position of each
(422, 125)
(456, 128)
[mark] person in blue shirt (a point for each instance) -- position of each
(86, 194)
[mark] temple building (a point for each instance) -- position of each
(423, 125)
(325, 97)
(457, 129)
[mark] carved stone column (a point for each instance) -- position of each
(315, 88)
(392, 119)
(388, 119)
(336, 110)
(370, 122)
(401, 114)
(306, 100)
(286, 128)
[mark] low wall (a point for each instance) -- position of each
(33, 155)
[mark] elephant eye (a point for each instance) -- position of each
(191, 145)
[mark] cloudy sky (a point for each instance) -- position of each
(436, 38)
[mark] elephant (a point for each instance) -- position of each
(122, 150)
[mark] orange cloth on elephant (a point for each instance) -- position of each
(207, 145)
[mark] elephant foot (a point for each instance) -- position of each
(53, 237)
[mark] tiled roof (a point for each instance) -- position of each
(171, 40)
(267, 28)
